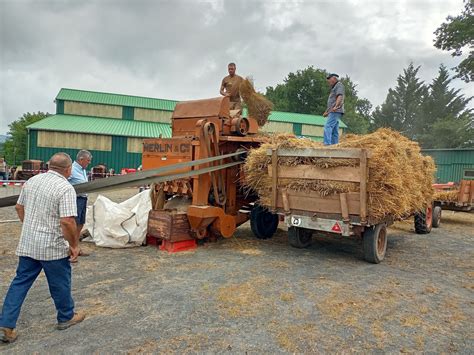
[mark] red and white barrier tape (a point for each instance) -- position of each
(12, 182)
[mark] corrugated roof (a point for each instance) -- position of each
(115, 99)
(98, 125)
(279, 116)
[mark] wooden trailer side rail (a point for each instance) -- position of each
(345, 204)
(466, 192)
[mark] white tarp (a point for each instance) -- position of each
(119, 225)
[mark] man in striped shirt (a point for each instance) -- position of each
(47, 208)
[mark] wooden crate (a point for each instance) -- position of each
(169, 225)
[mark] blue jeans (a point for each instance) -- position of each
(58, 274)
(81, 210)
(331, 128)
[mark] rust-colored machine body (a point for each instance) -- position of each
(203, 129)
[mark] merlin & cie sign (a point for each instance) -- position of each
(167, 147)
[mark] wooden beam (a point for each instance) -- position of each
(340, 173)
(285, 201)
(349, 153)
(274, 178)
(344, 207)
(363, 186)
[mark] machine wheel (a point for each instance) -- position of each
(299, 237)
(424, 221)
(375, 243)
(263, 223)
(436, 216)
(242, 126)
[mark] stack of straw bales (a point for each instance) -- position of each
(400, 177)
(259, 107)
(446, 196)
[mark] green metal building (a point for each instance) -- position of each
(113, 126)
(452, 165)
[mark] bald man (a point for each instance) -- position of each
(48, 242)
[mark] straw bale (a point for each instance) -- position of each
(259, 107)
(447, 196)
(400, 177)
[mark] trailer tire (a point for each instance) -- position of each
(424, 221)
(263, 223)
(436, 216)
(299, 237)
(375, 243)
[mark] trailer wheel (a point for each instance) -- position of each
(375, 243)
(299, 237)
(263, 223)
(436, 216)
(424, 221)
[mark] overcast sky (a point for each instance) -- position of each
(180, 49)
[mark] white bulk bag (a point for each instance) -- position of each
(119, 225)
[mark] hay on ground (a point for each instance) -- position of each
(259, 107)
(400, 177)
(446, 196)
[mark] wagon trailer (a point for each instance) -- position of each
(461, 199)
(345, 214)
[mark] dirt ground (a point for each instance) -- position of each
(246, 295)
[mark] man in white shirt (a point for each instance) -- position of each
(79, 176)
(47, 208)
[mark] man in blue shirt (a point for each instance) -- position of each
(334, 111)
(79, 176)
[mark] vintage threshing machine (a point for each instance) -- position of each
(207, 204)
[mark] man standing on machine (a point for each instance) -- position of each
(230, 86)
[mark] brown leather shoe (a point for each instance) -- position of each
(78, 318)
(8, 335)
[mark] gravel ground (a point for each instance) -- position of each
(245, 295)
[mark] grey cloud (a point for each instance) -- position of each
(179, 49)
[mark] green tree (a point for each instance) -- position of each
(451, 132)
(303, 92)
(456, 34)
(446, 122)
(403, 104)
(306, 91)
(357, 111)
(16, 145)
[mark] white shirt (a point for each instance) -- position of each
(46, 198)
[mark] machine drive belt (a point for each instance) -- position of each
(139, 178)
(163, 178)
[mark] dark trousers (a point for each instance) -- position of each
(58, 274)
(81, 203)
